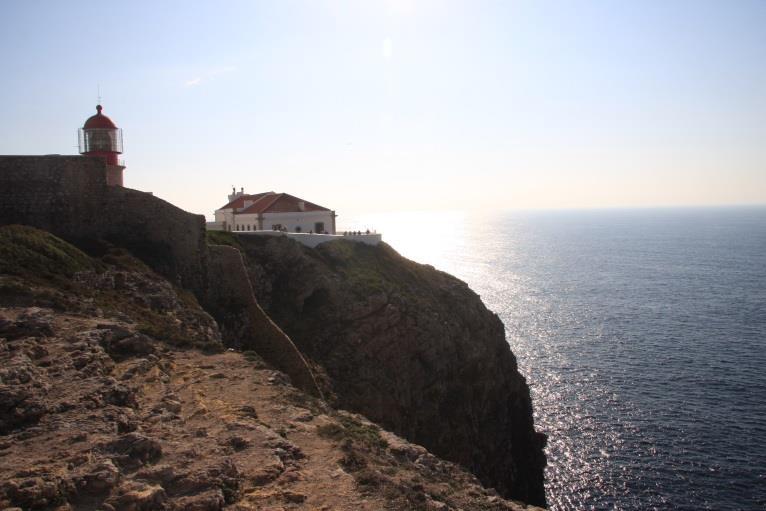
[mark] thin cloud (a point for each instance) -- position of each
(209, 75)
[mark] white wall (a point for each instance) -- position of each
(304, 220)
(224, 216)
(220, 214)
(243, 221)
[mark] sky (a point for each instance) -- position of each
(383, 105)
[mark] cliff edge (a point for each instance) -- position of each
(410, 347)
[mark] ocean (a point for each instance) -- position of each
(642, 335)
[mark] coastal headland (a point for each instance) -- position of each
(148, 364)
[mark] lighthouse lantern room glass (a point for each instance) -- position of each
(100, 137)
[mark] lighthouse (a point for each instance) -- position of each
(101, 138)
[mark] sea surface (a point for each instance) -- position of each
(642, 334)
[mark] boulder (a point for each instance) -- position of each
(20, 407)
(136, 496)
(135, 449)
(41, 492)
(210, 500)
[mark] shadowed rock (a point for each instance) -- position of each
(411, 347)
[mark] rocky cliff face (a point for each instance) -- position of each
(412, 348)
(409, 346)
(116, 394)
(243, 323)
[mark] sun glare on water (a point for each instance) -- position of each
(428, 237)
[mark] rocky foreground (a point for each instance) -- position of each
(116, 393)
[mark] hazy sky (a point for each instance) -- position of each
(367, 106)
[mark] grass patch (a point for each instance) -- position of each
(354, 430)
(40, 256)
(339, 250)
(366, 281)
(255, 359)
(124, 260)
(303, 400)
(365, 268)
(15, 292)
(223, 238)
(251, 356)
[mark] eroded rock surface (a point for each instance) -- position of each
(116, 394)
(180, 429)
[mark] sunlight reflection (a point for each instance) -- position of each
(427, 237)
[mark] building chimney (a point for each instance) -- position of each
(234, 193)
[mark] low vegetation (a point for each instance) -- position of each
(350, 428)
(40, 269)
(38, 255)
(223, 238)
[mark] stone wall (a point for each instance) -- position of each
(56, 193)
(68, 196)
(167, 238)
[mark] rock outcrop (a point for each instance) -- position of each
(116, 394)
(410, 347)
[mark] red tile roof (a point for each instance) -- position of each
(239, 202)
(270, 202)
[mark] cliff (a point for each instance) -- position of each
(116, 394)
(410, 347)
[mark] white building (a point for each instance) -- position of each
(270, 211)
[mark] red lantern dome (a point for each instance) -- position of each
(99, 121)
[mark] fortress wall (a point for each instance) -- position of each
(167, 238)
(56, 193)
(68, 196)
